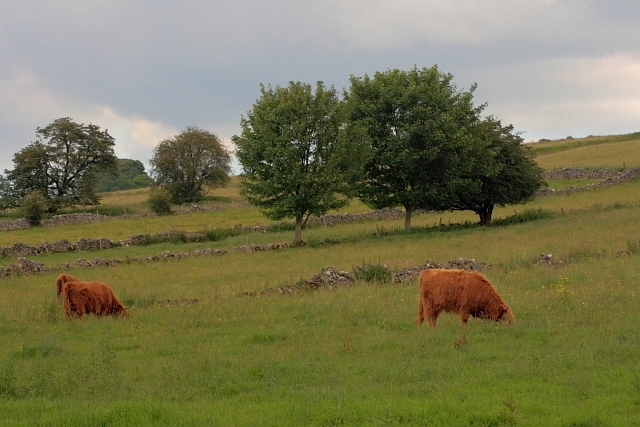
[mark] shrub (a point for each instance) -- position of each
(159, 202)
(524, 216)
(372, 273)
(633, 246)
(215, 235)
(33, 207)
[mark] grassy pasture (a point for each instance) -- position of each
(553, 146)
(611, 154)
(351, 356)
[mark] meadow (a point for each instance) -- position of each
(203, 346)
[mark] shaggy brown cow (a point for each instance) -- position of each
(90, 297)
(467, 293)
(62, 279)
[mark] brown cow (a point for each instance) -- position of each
(90, 297)
(62, 279)
(467, 293)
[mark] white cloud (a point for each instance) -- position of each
(557, 97)
(25, 102)
(135, 136)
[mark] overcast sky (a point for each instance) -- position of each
(145, 70)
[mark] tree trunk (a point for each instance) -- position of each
(485, 215)
(407, 218)
(298, 235)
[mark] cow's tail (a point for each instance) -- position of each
(420, 308)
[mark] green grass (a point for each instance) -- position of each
(613, 153)
(548, 147)
(347, 357)
(351, 356)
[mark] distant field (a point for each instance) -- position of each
(197, 350)
(616, 154)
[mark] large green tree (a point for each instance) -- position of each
(186, 164)
(515, 177)
(62, 163)
(297, 157)
(423, 137)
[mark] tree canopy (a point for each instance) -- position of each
(128, 174)
(62, 164)
(425, 149)
(515, 179)
(297, 158)
(187, 163)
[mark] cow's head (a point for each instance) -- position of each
(506, 314)
(62, 279)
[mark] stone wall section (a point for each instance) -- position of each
(606, 177)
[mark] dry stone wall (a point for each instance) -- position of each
(339, 218)
(14, 225)
(83, 244)
(85, 218)
(23, 266)
(606, 177)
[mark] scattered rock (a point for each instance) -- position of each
(330, 278)
(468, 264)
(548, 259)
(412, 273)
(254, 228)
(24, 266)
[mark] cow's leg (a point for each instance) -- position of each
(432, 315)
(464, 317)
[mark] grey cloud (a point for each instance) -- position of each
(200, 63)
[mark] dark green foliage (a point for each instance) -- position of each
(372, 273)
(297, 158)
(34, 207)
(186, 164)
(180, 237)
(159, 202)
(7, 194)
(216, 234)
(129, 174)
(525, 216)
(290, 226)
(62, 164)
(514, 178)
(424, 142)
(633, 246)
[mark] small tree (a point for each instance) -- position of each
(62, 163)
(33, 207)
(423, 139)
(159, 202)
(189, 162)
(297, 158)
(515, 178)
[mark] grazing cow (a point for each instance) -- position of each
(62, 279)
(82, 298)
(467, 293)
